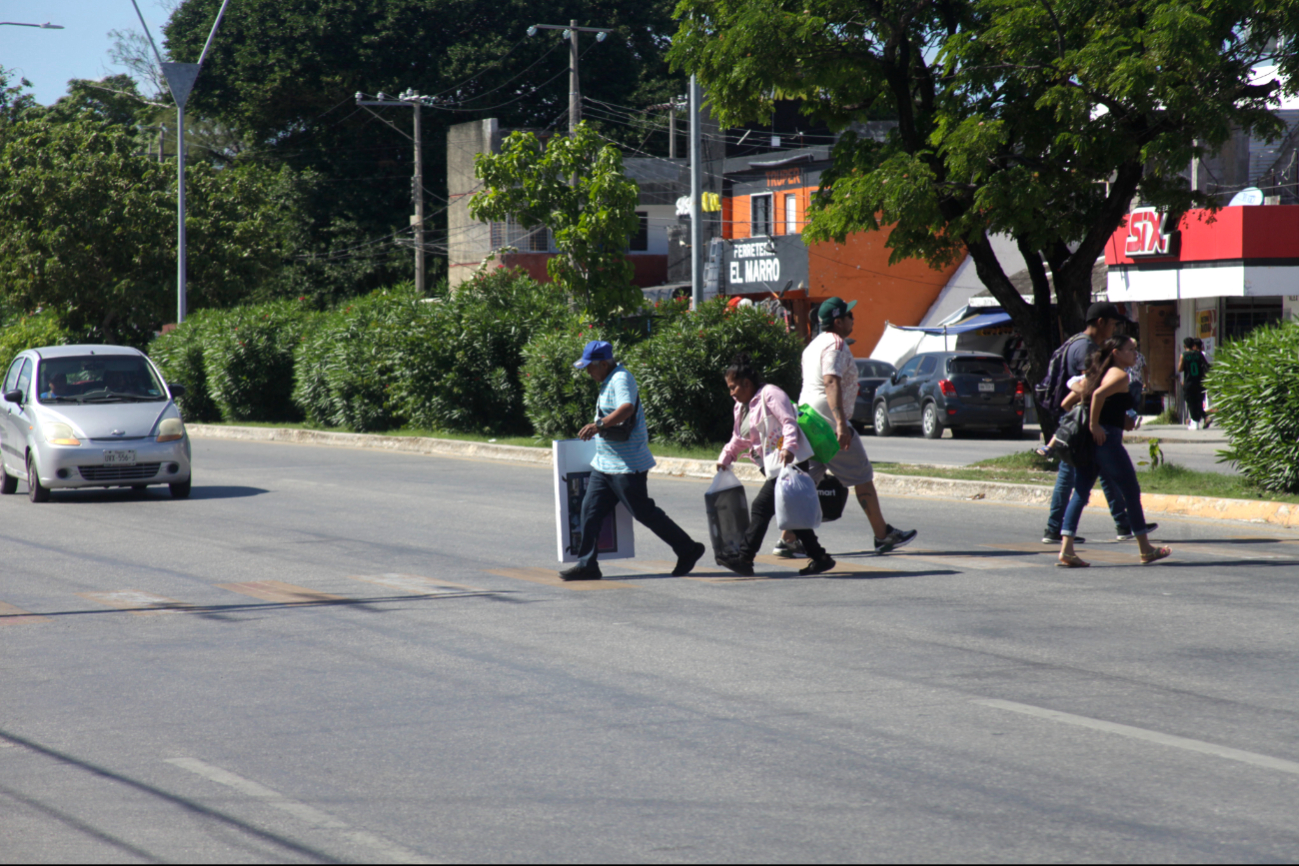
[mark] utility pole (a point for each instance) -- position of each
(574, 81)
(180, 81)
(411, 99)
(696, 198)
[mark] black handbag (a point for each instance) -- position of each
(1073, 437)
(833, 496)
(621, 432)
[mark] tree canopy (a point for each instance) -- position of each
(284, 73)
(574, 186)
(1039, 119)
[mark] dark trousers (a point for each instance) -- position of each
(760, 514)
(1065, 481)
(1111, 464)
(603, 493)
(1194, 392)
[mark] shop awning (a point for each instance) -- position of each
(974, 323)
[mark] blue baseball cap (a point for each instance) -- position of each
(596, 350)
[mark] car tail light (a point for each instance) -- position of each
(1019, 387)
(946, 386)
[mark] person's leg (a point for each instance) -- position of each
(1064, 481)
(869, 500)
(632, 490)
(598, 502)
(760, 514)
(1113, 461)
(1195, 402)
(1083, 479)
(1118, 508)
(811, 544)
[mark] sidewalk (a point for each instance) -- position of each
(1178, 433)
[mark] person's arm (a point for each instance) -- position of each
(626, 396)
(1073, 398)
(732, 450)
(1180, 359)
(1115, 381)
(834, 395)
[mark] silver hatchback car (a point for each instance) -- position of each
(90, 416)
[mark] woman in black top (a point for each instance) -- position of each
(1105, 385)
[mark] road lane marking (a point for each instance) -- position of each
(280, 593)
(1252, 758)
(307, 814)
(137, 602)
(550, 577)
(10, 615)
(414, 584)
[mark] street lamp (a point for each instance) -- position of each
(46, 26)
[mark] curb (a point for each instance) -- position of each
(1276, 513)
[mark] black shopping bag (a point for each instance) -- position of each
(833, 496)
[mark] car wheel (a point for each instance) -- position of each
(9, 484)
(930, 423)
(882, 425)
(36, 491)
(180, 489)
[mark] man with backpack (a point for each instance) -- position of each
(1193, 365)
(1068, 361)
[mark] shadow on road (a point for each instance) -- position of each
(155, 493)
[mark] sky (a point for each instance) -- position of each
(49, 58)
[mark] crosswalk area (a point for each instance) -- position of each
(1014, 559)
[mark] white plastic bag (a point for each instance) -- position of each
(797, 504)
(727, 507)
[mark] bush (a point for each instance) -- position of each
(1252, 383)
(179, 355)
(459, 369)
(347, 363)
(31, 332)
(248, 360)
(680, 369)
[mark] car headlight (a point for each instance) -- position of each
(59, 433)
(171, 429)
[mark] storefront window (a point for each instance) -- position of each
(760, 215)
(1242, 315)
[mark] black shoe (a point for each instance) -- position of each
(577, 572)
(736, 563)
(686, 562)
(1055, 538)
(893, 540)
(1129, 534)
(818, 566)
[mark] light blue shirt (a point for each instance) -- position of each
(620, 458)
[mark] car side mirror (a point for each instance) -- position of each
(176, 389)
(14, 396)
(895, 378)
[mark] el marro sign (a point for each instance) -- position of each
(765, 264)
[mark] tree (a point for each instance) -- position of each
(284, 72)
(1039, 119)
(575, 187)
(88, 228)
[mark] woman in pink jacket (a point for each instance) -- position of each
(766, 429)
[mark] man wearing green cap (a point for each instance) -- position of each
(830, 387)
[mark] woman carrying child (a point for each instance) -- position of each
(766, 428)
(1105, 384)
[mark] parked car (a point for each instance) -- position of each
(90, 416)
(957, 390)
(870, 375)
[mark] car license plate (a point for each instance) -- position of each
(119, 458)
(987, 386)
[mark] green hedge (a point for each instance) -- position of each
(31, 332)
(1252, 384)
(347, 363)
(179, 354)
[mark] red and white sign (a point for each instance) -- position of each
(1146, 235)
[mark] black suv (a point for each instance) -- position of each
(960, 390)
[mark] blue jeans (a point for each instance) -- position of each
(1065, 481)
(1110, 462)
(604, 491)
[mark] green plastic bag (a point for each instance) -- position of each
(819, 433)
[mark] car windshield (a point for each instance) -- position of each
(99, 379)
(978, 367)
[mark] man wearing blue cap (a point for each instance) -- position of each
(830, 387)
(622, 462)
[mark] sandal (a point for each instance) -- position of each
(1069, 560)
(1155, 555)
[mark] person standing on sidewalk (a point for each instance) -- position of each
(1193, 365)
(618, 473)
(830, 387)
(766, 429)
(1102, 318)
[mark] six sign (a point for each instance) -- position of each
(1146, 235)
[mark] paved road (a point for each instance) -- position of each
(330, 655)
(911, 447)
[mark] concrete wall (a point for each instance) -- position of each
(468, 241)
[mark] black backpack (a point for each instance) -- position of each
(1054, 387)
(1073, 437)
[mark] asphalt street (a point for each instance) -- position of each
(332, 655)
(909, 446)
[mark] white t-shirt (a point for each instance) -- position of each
(828, 355)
